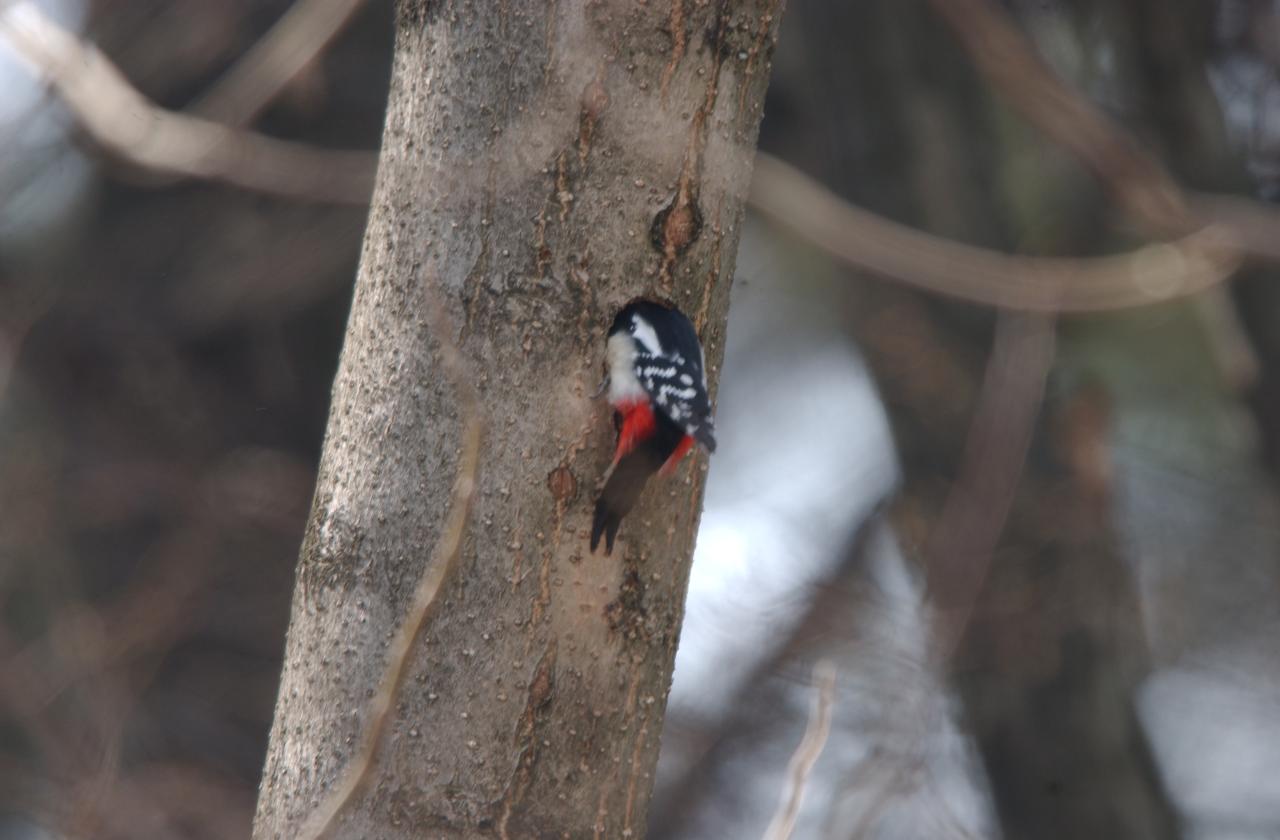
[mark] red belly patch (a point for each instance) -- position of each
(637, 424)
(682, 449)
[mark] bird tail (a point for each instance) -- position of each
(606, 524)
(620, 493)
(706, 435)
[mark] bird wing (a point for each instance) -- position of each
(676, 385)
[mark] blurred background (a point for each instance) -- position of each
(1001, 575)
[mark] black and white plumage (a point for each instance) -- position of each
(657, 387)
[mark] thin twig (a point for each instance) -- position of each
(1146, 191)
(1013, 67)
(439, 571)
(959, 548)
(287, 49)
(897, 783)
(1148, 275)
(1256, 226)
(1229, 345)
(806, 755)
(126, 125)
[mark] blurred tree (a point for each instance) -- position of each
(1050, 657)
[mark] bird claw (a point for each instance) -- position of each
(604, 384)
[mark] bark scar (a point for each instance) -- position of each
(474, 282)
(540, 691)
(713, 274)
(542, 251)
(677, 225)
(579, 275)
(595, 99)
(753, 53)
(678, 43)
(564, 195)
(562, 484)
(544, 570)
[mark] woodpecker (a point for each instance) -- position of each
(657, 387)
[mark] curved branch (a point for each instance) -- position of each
(1142, 186)
(1013, 67)
(864, 240)
(292, 44)
(807, 752)
(964, 537)
(129, 127)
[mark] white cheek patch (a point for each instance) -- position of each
(646, 335)
(623, 385)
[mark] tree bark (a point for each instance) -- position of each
(540, 167)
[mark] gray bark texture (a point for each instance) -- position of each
(542, 164)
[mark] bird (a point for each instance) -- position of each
(656, 382)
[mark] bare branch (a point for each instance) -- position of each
(1147, 192)
(806, 755)
(295, 41)
(1140, 184)
(1012, 65)
(1256, 226)
(864, 240)
(439, 570)
(129, 127)
(959, 547)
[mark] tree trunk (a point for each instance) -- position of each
(540, 167)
